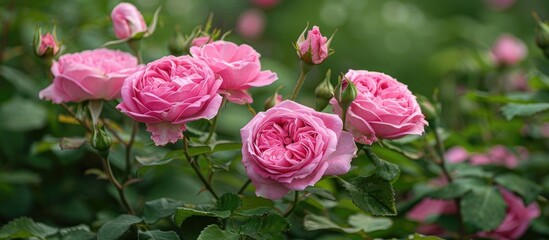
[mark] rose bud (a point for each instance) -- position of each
(200, 41)
(100, 139)
(324, 92)
(45, 45)
(178, 44)
(314, 48)
(273, 100)
(127, 21)
(508, 50)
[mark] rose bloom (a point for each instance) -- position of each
(127, 20)
(47, 42)
(89, 75)
(199, 41)
(290, 147)
(516, 220)
(383, 108)
(430, 208)
(168, 93)
(238, 66)
(251, 24)
(508, 50)
(314, 48)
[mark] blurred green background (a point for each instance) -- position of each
(423, 44)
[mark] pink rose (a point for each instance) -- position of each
(251, 24)
(89, 75)
(427, 208)
(499, 155)
(383, 108)
(508, 50)
(127, 21)
(516, 220)
(314, 48)
(168, 93)
(238, 66)
(456, 154)
(46, 42)
(290, 147)
(199, 41)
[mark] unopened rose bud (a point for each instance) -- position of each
(128, 21)
(45, 45)
(542, 37)
(273, 100)
(345, 93)
(314, 48)
(100, 139)
(177, 44)
(324, 92)
(427, 108)
(199, 41)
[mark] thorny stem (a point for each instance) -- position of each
(244, 186)
(196, 170)
(442, 164)
(212, 129)
(119, 187)
(293, 206)
(129, 144)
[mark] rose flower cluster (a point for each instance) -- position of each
(288, 147)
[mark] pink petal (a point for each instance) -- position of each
(164, 132)
(340, 161)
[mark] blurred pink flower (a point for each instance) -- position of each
(127, 21)
(251, 24)
(508, 50)
(500, 4)
(427, 208)
(499, 155)
(266, 3)
(516, 220)
(456, 154)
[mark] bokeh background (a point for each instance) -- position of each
(428, 45)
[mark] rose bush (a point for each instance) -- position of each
(290, 147)
(383, 108)
(237, 65)
(89, 75)
(168, 93)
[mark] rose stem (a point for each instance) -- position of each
(214, 123)
(195, 168)
(442, 164)
(64, 106)
(244, 186)
(304, 70)
(294, 204)
(129, 144)
(251, 109)
(116, 184)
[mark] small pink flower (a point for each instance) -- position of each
(89, 75)
(238, 66)
(200, 41)
(168, 93)
(251, 24)
(499, 155)
(127, 21)
(266, 3)
(315, 48)
(508, 50)
(428, 208)
(516, 220)
(47, 44)
(456, 154)
(383, 108)
(290, 147)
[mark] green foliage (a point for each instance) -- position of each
(214, 232)
(157, 235)
(182, 213)
(159, 208)
(15, 115)
(372, 194)
(483, 208)
(26, 228)
(524, 187)
(512, 110)
(265, 227)
(229, 202)
(115, 228)
(359, 222)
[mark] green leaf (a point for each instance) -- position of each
(372, 194)
(229, 202)
(20, 115)
(21, 81)
(115, 228)
(464, 170)
(313, 222)
(26, 228)
(524, 187)
(182, 213)
(226, 146)
(368, 223)
(417, 236)
(159, 208)
(265, 227)
(71, 143)
(213, 232)
(157, 235)
(387, 171)
(527, 109)
(453, 190)
(406, 150)
(483, 208)
(20, 177)
(79, 234)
